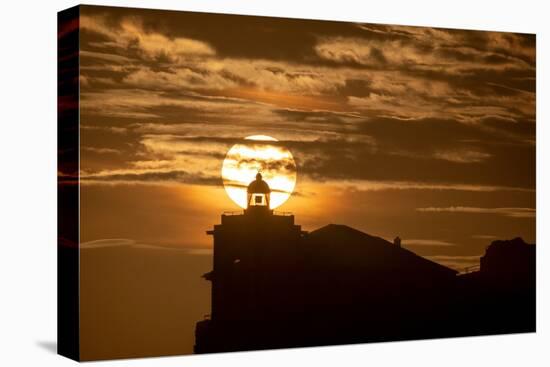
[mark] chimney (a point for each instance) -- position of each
(397, 241)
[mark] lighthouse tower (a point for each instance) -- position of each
(255, 256)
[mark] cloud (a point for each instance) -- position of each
(456, 257)
(394, 90)
(200, 251)
(101, 150)
(112, 129)
(462, 156)
(119, 59)
(189, 251)
(129, 176)
(130, 34)
(366, 107)
(124, 242)
(370, 185)
(435, 49)
(164, 149)
(426, 242)
(457, 262)
(177, 79)
(108, 242)
(408, 97)
(142, 104)
(190, 63)
(507, 212)
(437, 73)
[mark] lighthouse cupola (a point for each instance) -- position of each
(258, 193)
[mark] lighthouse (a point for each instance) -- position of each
(255, 257)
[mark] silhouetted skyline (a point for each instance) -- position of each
(277, 286)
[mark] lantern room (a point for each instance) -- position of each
(258, 193)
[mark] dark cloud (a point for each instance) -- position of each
(177, 176)
(351, 101)
(279, 165)
(428, 150)
(237, 36)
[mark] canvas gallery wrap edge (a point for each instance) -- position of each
(233, 183)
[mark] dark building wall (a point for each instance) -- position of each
(254, 255)
(509, 262)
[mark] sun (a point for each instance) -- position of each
(259, 153)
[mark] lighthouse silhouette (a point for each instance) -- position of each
(252, 253)
(255, 259)
(277, 286)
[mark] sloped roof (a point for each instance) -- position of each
(355, 247)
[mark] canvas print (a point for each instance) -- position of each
(235, 183)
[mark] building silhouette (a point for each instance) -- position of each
(253, 258)
(276, 286)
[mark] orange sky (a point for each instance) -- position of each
(432, 128)
(424, 133)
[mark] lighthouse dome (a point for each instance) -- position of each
(258, 186)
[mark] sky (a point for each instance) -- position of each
(423, 133)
